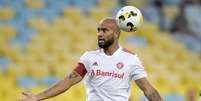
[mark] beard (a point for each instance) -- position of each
(102, 43)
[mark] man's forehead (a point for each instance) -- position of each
(103, 25)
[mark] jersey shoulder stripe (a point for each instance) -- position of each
(128, 51)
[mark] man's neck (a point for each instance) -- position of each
(110, 50)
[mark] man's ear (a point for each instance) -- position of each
(116, 35)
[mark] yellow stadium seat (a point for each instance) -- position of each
(62, 24)
(106, 4)
(98, 13)
(35, 4)
(7, 31)
(138, 3)
(149, 30)
(4, 49)
(38, 23)
(91, 27)
(13, 52)
(75, 14)
(171, 11)
(6, 13)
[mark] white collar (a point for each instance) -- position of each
(114, 54)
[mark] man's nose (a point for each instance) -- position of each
(100, 34)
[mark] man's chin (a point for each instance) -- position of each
(101, 45)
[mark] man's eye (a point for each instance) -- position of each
(102, 29)
(105, 29)
(98, 29)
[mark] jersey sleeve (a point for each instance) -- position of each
(84, 59)
(83, 65)
(137, 69)
(80, 69)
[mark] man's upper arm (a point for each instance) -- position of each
(143, 84)
(77, 75)
(73, 78)
(137, 70)
(150, 92)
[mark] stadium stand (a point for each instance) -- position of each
(42, 40)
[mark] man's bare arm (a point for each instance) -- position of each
(55, 90)
(149, 91)
(60, 87)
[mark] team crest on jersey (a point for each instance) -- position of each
(120, 65)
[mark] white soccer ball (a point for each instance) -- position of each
(129, 18)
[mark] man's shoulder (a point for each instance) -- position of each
(128, 52)
(91, 52)
(131, 56)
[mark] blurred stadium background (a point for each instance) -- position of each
(42, 40)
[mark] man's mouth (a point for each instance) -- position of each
(101, 40)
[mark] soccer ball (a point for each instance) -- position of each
(129, 18)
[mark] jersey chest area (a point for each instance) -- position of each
(109, 67)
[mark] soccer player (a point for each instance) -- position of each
(107, 71)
